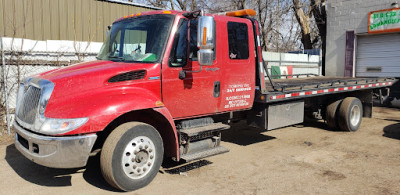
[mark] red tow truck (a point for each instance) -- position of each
(166, 83)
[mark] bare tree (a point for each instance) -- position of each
(278, 28)
(278, 25)
(80, 50)
(304, 12)
(186, 5)
(193, 5)
(303, 17)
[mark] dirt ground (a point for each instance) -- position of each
(303, 159)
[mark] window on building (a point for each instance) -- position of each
(238, 40)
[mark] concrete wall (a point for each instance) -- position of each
(345, 15)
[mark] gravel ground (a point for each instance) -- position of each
(303, 159)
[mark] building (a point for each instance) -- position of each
(363, 38)
(61, 21)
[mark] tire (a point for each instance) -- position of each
(131, 156)
(331, 115)
(350, 114)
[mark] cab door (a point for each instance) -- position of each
(194, 93)
(238, 72)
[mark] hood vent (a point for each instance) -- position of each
(128, 76)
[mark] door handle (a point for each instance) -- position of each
(217, 89)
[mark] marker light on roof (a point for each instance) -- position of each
(244, 12)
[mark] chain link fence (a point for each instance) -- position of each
(18, 65)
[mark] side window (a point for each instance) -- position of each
(193, 39)
(238, 41)
(179, 51)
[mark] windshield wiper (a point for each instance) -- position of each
(116, 57)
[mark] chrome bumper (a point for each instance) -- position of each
(56, 152)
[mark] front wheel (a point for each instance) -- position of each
(131, 156)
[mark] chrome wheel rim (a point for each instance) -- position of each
(138, 157)
(355, 115)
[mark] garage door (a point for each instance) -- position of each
(378, 56)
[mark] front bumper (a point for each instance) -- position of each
(56, 152)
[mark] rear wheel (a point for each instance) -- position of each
(350, 114)
(331, 115)
(131, 156)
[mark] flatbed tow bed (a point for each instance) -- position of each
(283, 102)
(296, 88)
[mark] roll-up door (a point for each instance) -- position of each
(378, 55)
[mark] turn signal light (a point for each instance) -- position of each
(243, 12)
(204, 36)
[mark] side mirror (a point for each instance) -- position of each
(205, 40)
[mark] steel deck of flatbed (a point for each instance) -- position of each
(297, 88)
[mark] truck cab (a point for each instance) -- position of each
(157, 74)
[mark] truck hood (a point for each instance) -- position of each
(86, 76)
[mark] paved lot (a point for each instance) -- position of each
(301, 159)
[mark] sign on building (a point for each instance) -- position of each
(384, 21)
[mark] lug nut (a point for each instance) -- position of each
(138, 170)
(151, 157)
(148, 164)
(146, 146)
(150, 150)
(144, 169)
(134, 166)
(140, 147)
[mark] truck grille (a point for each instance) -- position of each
(28, 105)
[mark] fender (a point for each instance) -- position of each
(101, 106)
(165, 112)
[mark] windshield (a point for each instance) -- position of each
(139, 39)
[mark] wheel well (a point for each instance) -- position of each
(148, 116)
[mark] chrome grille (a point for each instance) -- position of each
(28, 105)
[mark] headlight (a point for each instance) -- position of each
(59, 126)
